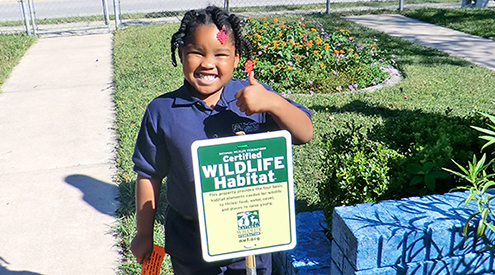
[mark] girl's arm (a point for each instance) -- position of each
(147, 196)
(256, 99)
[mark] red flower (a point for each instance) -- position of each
(248, 66)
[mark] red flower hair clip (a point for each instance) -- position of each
(222, 36)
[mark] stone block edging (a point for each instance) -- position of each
(412, 236)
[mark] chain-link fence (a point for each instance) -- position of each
(40, 17)
(48, 17)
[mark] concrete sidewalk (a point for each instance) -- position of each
(57, 201)
(480, 51)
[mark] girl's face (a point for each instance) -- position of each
(208, 64)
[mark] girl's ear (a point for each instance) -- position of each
(180, 54)
(237, 60)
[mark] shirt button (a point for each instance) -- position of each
(215, 135)
(198, 104)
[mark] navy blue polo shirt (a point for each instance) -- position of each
(173, 121)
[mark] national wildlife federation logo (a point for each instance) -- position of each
(248, 220)
(248, 227)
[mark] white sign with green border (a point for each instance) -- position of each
(245, 194)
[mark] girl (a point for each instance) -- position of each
(209, 105)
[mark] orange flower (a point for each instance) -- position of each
(336, 51)
(350, 49)
(341, 51)
(249, 18)
(355, 54)
(264, 17)
(327, 46)
(280, 34)
(275, 20)
(322, 65)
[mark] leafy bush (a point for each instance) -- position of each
(402, 156)
(304, 58)
(357, 169)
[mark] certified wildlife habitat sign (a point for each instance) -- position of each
(245, 194)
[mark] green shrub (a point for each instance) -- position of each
(399, 157)
(357, 169)
(427, 138)
(303, 57)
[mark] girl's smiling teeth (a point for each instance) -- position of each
(209, 77)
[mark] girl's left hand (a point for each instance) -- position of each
(255, 98)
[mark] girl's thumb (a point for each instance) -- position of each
(251, 79)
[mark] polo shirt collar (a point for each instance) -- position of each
(185, 98)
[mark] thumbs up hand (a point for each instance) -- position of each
(255, 98)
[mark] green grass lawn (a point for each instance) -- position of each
(434, 85)
(12, 48)
(480, 22)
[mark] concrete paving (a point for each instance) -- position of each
(478, 50)
(57, 197)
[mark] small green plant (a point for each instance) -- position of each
(476, 175)
(425, 174)
(480, 177)
(304, 58)
(490, 135)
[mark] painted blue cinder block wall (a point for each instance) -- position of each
(312, 255)
(412, 236)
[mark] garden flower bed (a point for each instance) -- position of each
(305, 58)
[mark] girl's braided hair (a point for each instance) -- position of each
(211, 15)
